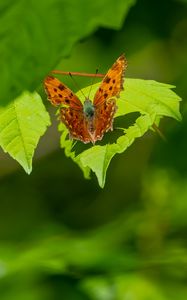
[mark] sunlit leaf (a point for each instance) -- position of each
(153, 100)
(22, 123)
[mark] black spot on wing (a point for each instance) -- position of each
(67, 100)
(107, 79)
(61, 87)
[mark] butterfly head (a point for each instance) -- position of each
(89, 109)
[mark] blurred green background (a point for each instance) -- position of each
(61, 236)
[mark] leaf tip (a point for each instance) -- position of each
(27, 169)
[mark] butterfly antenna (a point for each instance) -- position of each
(92, 82)
(76, 85)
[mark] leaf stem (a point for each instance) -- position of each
(78, 74)
(160, 133)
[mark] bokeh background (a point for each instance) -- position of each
(61, 236)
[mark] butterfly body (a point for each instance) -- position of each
(88, 108)
(89, 121)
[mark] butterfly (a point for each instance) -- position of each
(89, 121)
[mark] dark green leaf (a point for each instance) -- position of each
(34, 36)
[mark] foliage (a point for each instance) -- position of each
(62, 237)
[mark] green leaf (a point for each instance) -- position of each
(22, 123)
(153, 100)
(98, 158)
(67, 145)
(46, 34)
(149, 96)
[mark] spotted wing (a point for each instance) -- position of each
(104, 116)
(58, 93)
(76, 124)
(112, 83)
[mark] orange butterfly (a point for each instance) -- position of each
(89, 121)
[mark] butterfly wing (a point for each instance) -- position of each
(72, 114)
(104, 100)
(112, 83)
(76, 124)
(58, 93)
(104, 115)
